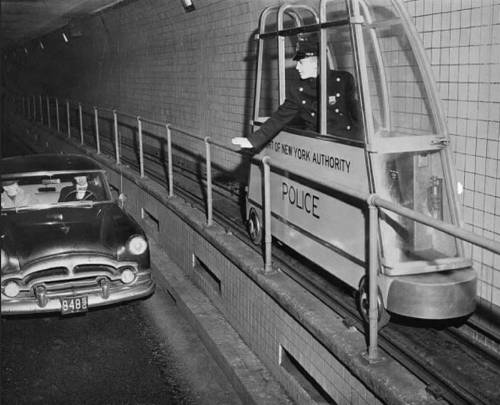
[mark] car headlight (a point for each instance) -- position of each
(127, 276)
(11, 289)
(137, 245)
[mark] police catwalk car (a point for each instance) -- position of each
(366, 118)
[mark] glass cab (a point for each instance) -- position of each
(375, 125)
(407, 142)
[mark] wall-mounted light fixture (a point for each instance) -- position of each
(65, 37)
(188, 5)
(25, 50)
(42, 46)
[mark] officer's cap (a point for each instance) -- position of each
(307, 45)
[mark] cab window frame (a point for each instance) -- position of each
(359, 140)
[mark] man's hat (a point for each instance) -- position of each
(8, 182)
(307, 45)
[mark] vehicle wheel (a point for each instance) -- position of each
(364, 303)
(254, 227)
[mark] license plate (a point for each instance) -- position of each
(73, 305)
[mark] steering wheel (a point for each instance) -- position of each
(89, 195)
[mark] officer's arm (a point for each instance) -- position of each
(280, 118)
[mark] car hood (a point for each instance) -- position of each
(36, 234)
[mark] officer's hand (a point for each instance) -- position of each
(242, 142)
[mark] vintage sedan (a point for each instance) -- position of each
(66, 244)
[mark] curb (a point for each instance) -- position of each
(248, 376)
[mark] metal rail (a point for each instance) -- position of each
(374, 203)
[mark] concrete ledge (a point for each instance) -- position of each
(249, 377)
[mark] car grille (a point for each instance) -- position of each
(58, 285)
(46, 274)
(92, 268)
(61, 276)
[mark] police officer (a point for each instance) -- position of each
(301, 102)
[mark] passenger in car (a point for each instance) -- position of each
(13, 196)
(82, 190)
(302, 100)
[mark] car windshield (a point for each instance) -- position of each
(38, 191)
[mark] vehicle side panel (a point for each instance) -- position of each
(327, 227)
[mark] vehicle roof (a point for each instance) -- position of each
(46, 162)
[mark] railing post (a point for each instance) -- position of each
(373, 281)
(97, 139)
(141, 151)
(115, 125)
(169, 163)
(81, 122)
(48, 111)
(28, 116)
(68, 118)
(58, 124)
(209, 182)
(34, 108)
(41, 108)
(267, 214)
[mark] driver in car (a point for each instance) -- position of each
(82, 190)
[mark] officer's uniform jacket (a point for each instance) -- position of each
(302, 102)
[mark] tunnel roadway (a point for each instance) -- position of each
(143, 352)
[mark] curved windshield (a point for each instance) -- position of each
(401, 104)
(37, 191)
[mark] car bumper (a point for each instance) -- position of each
(95, 298)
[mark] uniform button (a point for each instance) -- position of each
(313, 114)
(338, 79)
(337, 110)
(337, 95)
(348, 127)
(303, 101)
(301, 89)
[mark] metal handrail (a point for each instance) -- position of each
(97, 136)
(374, 203)
(375, 199)
(169, 128)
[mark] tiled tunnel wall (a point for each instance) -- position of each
(462, 40)
(197, 70)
